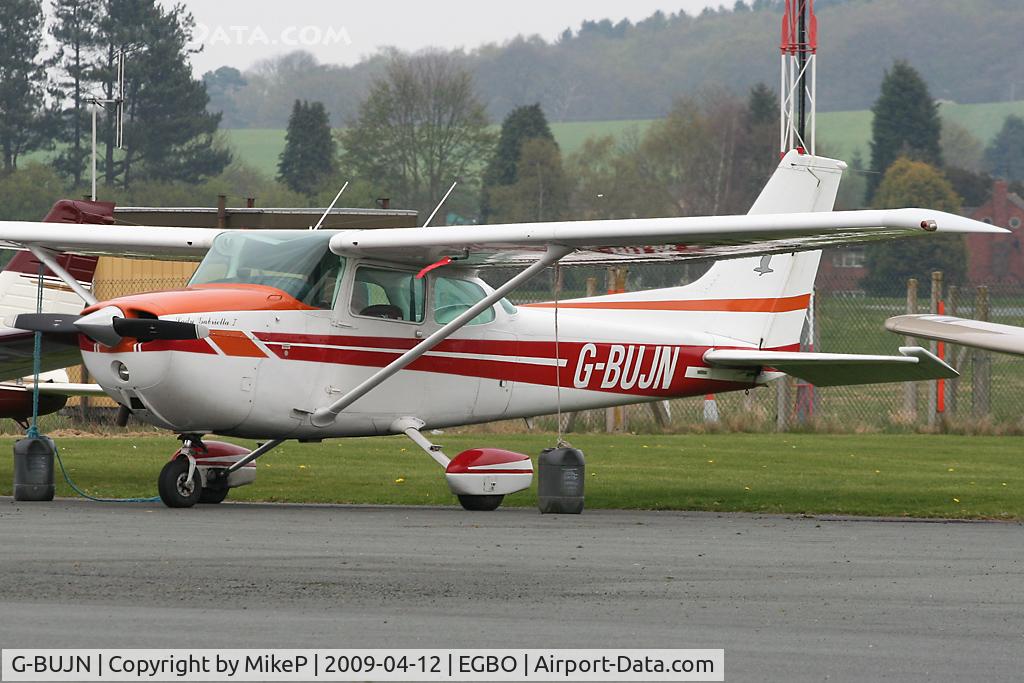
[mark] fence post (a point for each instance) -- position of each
(575, 417)
(933, 386)
(910, 388)
(615, 418)
(782, 404)
(981, 368)
(952, 385)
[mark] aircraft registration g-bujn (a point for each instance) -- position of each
(312, 334)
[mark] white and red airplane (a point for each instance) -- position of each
(312, 335)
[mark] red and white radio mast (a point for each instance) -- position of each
(799, 81)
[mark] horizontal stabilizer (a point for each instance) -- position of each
(839, 369)
(975, 333)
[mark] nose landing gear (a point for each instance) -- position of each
(180, 484)
(204, 472)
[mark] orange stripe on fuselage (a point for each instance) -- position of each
(234, 343)
(779, 305)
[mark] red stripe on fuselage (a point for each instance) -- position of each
(647, 370)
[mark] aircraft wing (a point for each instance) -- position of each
(963, 331)
(68, 389)
(838, 369)
(651, 239)
(109, 240)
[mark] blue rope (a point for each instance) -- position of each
(33, 430)
(83, 494)
(37, 359)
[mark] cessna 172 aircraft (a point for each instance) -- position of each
(311, 335)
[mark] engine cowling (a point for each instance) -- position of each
(489, 472)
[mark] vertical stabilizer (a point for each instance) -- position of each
(758, 301)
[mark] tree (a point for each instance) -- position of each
(169, 134)
(762, 128)
(25, 124)
(914, 183)
(960, 148)
(420, 128)
(699, 155)
(521, 125)
(221, 86)
(1004, 157)
(28, 193)
(540, 191)
(309, 158)
(906, 123)
(75, 26)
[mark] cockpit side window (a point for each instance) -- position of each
(388, 294)
(324, 282)
(453, 297)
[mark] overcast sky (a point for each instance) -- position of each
(241, 32)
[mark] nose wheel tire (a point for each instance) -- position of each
(481, 503)
(176, 490)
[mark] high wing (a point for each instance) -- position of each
(963, 331)
(839, 369)
(651, 239)
(109, 240)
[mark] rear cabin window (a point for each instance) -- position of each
(388, 294)
(454, 297)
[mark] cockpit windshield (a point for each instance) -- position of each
(297, 263)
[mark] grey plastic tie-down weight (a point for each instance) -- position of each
(560, 481)
(33, 468)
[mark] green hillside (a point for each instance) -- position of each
(840, 133)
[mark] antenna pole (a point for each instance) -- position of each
(118, 102)
(440, 204)
(799, 82)
(94, 107)
(330, 208)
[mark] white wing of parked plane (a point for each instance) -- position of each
(963, 331)
(109, 240)
(653, 238)
(595, 241)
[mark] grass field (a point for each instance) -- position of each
(897, 475)
(841, 133)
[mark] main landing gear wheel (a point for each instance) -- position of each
(176, 490)
(481, 503)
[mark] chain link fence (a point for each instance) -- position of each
(988, 397)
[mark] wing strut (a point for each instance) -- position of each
(326, 416)
(47, 258)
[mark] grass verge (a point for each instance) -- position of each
(879, 474)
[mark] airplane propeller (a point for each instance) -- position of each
(108, 326)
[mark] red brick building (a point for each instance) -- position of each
(997, 260)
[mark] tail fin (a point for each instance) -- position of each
(759, 301)
(776, 288)
(18, 280)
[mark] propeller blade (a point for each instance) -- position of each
(44, 322)
(150, 329)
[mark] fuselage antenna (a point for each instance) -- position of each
(440, 204)
(330, 208)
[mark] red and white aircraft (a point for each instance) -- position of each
(311, 335)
